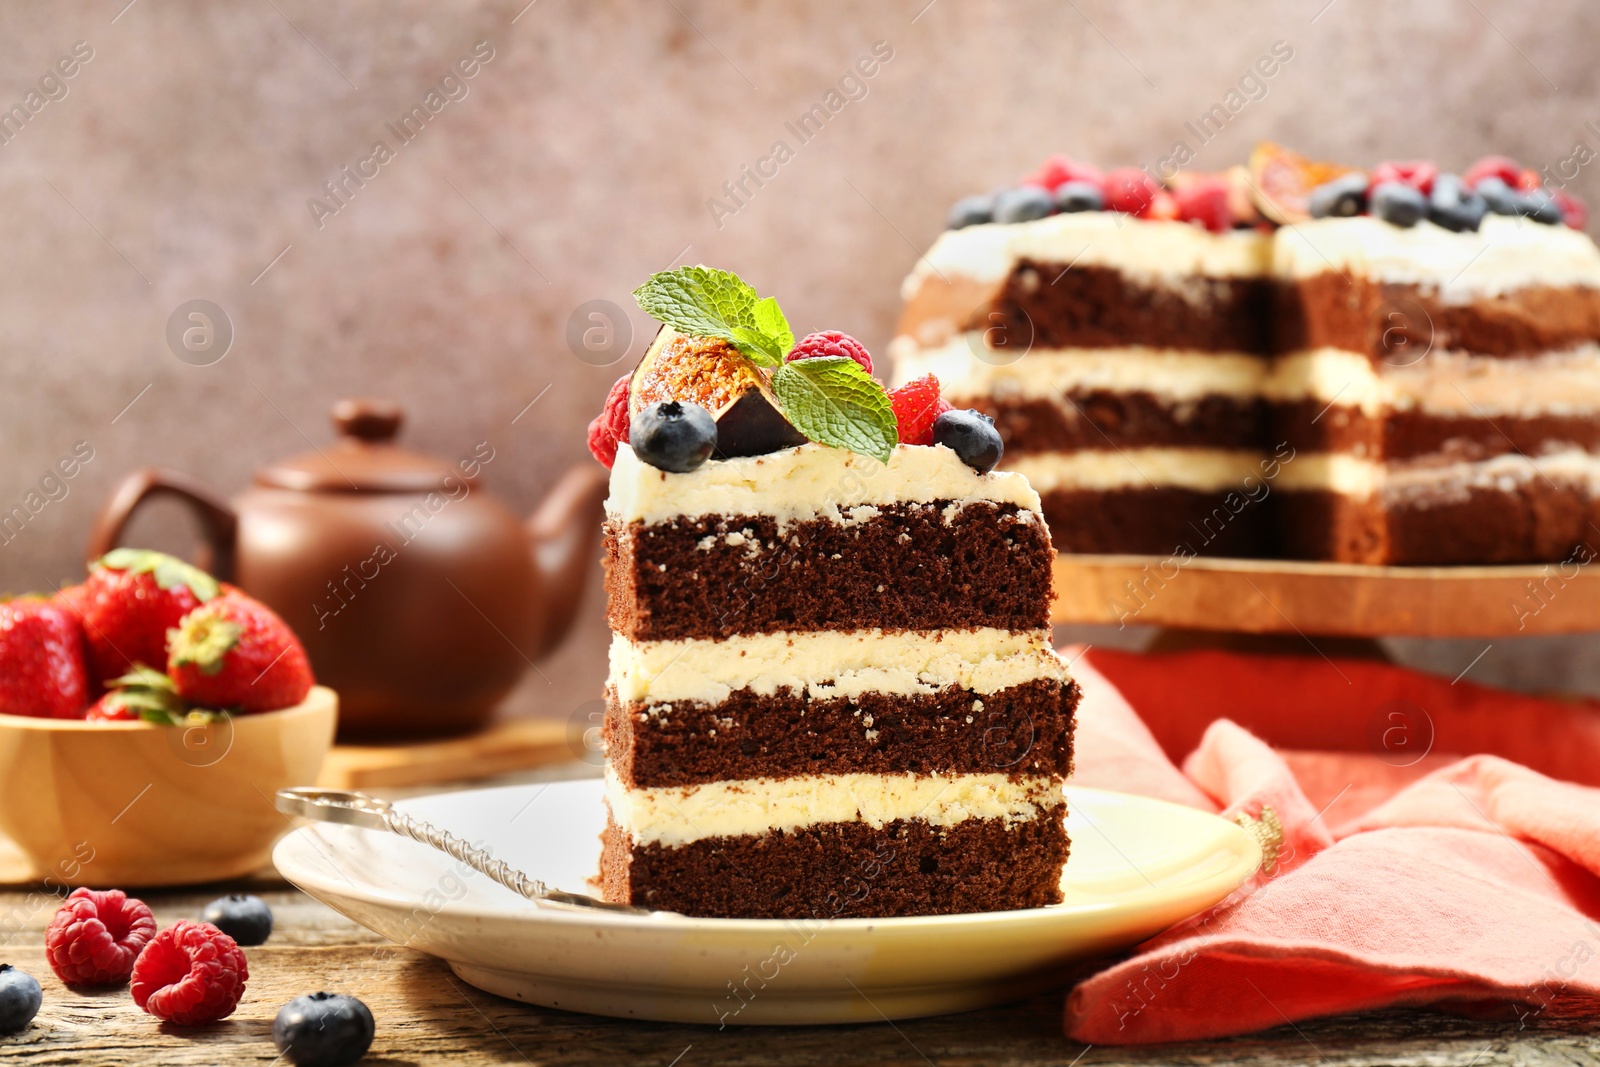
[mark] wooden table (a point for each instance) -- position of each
(426, 1015)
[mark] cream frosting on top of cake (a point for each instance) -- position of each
(809, 482)
(1155, 248)
(677, 815)
(1505, 254)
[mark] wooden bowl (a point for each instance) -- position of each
(137, 804)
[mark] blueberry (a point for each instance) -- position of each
(673, 435)
(244, 918)
(1079, 196)
(971, 434)
(1455, 205)
(1341, 198)
(1023, 204)
(1500, 197)
(1539, 206)
(1397, 204)
(20, 998)
(323, 1030)
(970, 211)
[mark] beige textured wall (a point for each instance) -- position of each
(180, 162)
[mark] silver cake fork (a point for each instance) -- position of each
(349, 808)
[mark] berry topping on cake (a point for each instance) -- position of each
(830, 343)
(1204, 200)
(1343, 197)
(1499, 196)
(723, 348)
(1130, 190)
(43, 670)
(96, 936)
(1539, 206)
(972, 436)
(916, 405)
(1506, 169)
(1397, 203)
(1057, 170)
(674, 435)
(1080, 196)
(1455, 205)
(1281, 182)
(192, 973)
(971, 211)
(1574, 212)
(1418, 174)
(1023, 204)
(611, 425)
(323, 1030)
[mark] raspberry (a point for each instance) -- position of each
(1058, 170)
(1419, 174)
(1574, 212)
(96, 936)
(1205, 200)
(831, 343)
(191, 973)
(916, 404)
(1502, 167)
(602, 442)
(615, 413)
(1130, 190)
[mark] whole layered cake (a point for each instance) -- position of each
(1294, 358)
(832, 691)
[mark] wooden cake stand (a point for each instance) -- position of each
(1332, 600)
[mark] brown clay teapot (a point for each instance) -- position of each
(420, 598)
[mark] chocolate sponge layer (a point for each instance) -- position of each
(839, 870)
(908, 567)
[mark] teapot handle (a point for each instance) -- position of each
(218, 524)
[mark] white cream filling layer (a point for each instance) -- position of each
(677, 815)
(1202, 469)
(1361, 478)
(1565, 382)
(828, 664)
(1136, 247)
(967, 371)
(809, 482)
(1504, 255)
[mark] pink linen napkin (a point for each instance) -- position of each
(1462, 883)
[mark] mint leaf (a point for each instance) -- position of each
(705, 302)
(770, 321)
(833, 401)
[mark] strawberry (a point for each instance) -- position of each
(1205, 201)
(1057, 170)
(42, 667)
(132, 598)
(1419, 174)
(1130, 190)
(234, 652)
(142, 693)
(916, 405)
(1502, 167)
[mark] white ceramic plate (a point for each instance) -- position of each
(1137, 866)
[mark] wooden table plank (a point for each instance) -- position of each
(426, 1015)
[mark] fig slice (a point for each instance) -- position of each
(1281, 181)
(711, 372)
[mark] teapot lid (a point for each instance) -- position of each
(364, 459)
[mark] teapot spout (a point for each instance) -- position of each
(565, 531)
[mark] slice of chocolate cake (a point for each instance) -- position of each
(832, 691)
(1441, 391)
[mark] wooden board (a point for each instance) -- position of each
(501, 748)
(1337, 599)
(426, 1015)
